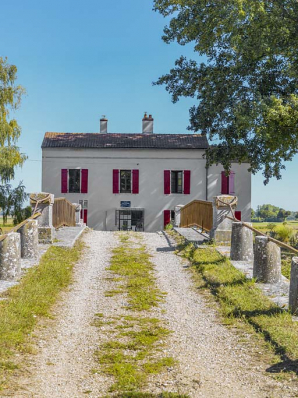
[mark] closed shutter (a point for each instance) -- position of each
(64, 180)
(167, 182)
(135, 181)
(231, 183)
(238, 215)
(85, 212)
(115, 181)
(84, 184)
(224, 183)
(166, 217)
(186, 182)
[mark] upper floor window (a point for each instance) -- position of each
(74, 181)
(176, 181)
(228, 183)
(125, 181)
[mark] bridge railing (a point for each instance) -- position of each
(197, 213)
(64, 213)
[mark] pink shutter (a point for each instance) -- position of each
(166, 217)
(186, 182)
(238, 215)
(64, 178)
(167, 182)
(85, 211)
(115, 181)
(232, 183)
(135, 181)
(84, 183)
(224, 183)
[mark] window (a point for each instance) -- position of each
(228, 183)
(74, 180)
(176, 181)
(125, 181)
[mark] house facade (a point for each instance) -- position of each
(134, 181)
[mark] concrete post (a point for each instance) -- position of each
(78, 213)
(293, 296)
(241, 243)
(45, 221)
(29, 239)
(222, 227)
(10, 257)
(267, 261)
(178, 215)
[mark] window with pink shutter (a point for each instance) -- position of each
(232, 183)
(238, 215)
(64, 180)
(84, 183)
(166, 217)
(224, 183)
(115, 181)
(186, 182)
(135, 181)
(167, 182)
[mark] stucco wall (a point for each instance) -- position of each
(102, 203)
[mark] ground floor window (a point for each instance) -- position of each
(84, 210)
(130, 219)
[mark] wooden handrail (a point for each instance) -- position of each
(279, 243)
(196, 201)
(17, 227)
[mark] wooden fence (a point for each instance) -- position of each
(64, 213)
(197, 213)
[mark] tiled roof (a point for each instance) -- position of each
(151, 141)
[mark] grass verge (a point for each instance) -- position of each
(22, 305)
(133, 351)
(241, 301)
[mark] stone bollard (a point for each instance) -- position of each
(267, 261)
(241, 243)
(10, 257)
(45, 221)
(29, 239)
(293, 296)
(78, 213)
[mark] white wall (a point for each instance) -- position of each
(102, 203)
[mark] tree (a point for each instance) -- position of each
(283, 214)
(11, 200)
(247, 90)
(10, 99)
(296, 216)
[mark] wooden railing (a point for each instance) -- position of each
(64, 213)
(197, 213)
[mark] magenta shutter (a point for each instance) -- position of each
(84, 181)
(167, 182)
(166, 217)
(64, 178)
(224, 183)
(115, 181)
(238, 215)
(85, 211)
(135, 181)
(186, 182)
(232, 183)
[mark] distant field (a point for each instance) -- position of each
(7, 226)
(264, 225)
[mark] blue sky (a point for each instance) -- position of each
(79, 60)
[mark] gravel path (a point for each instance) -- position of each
(212, 362)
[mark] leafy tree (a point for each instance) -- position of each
(10, 98)
(253, 213)
(11, 200)
(247, 90)
(296, 216)
(283, 214)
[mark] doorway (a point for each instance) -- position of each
(130, 220)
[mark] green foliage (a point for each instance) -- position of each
(269, 212)
(10, 99)
(20, 215)
(169, 227)
(247, 90)
(282, 233)
(32, 298)
(11, 201)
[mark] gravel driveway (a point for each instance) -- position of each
(212, 362)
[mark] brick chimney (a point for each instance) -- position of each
(147, 124)
(103, 125)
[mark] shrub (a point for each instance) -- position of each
(283, 233)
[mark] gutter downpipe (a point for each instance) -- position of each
(207, 168)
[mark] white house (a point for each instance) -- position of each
(134, 181)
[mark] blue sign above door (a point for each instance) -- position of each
(125, 203)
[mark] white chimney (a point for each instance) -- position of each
(147, 124)
(103, 125)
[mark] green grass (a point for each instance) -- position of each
(241, 300)
(135, 351)
(263, 226)
(29, 300)
(149, 395)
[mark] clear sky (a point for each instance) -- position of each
(79, 60)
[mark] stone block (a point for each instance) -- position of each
(267, 261)
(293, 296)
(29, 239)
(241, 243)
(10, 257)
